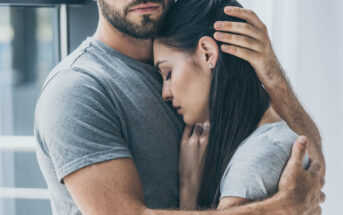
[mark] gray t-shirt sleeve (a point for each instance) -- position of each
(77, 123)
(256, 168)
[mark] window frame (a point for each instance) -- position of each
(27, 143)
(40, 2)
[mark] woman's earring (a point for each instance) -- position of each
(211, 65)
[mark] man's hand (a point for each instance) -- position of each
(252, 44)
(301, 189)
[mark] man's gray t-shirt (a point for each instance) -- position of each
(99, 105)
(255, 168)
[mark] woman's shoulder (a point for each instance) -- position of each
(268, 137)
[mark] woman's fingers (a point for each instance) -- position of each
(239, 40)
(197, 130)
(187, 132)
(204, 136)
(206, 129)
(246, 14)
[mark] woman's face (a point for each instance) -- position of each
(186, 82)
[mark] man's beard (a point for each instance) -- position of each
(144, 30)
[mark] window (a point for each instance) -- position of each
(29, 49)
(34, 36)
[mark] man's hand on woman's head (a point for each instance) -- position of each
(301, 189)
(249, 41)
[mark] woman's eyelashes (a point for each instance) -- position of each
(168, 76)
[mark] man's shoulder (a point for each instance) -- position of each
(85, 66)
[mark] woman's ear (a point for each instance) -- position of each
(207, 52)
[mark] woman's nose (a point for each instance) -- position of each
(166, 93)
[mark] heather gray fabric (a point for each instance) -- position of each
(99, 105)
(256, 167)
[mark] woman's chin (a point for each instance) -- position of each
(192, 121)
(188, 120)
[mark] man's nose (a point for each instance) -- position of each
(166, 93)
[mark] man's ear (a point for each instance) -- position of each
(208, 51)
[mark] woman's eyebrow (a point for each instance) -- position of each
(159, 63)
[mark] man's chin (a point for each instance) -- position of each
(138, 19)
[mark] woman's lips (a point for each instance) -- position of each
(179, 110)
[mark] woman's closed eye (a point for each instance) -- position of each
(168, 76)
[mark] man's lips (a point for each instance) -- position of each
(145, 8)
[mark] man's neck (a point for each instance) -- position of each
(137, 49)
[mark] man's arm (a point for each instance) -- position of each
(292, 172)
(253, 44)
(113, 187)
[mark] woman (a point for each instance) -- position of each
(249, 144)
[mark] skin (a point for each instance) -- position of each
(114, 187)
(186, 82)
(253, 49)
(138, 49)
(187, 78)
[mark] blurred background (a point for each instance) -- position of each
(36, 34)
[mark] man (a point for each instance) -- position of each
(108, 144)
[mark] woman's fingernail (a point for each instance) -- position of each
(198, 124)
(207, 124)
(219, 24)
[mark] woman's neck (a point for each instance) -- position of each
(270, 116)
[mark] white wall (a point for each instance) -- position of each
(307, 36)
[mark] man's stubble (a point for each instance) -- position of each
(146, 29)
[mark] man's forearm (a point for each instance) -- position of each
(272, 206)
(287, 105)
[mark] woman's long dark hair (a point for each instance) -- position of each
(237, 99)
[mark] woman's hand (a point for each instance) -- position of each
(192, 158)
(250, 41)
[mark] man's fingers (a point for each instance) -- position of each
(299, 150)
(239, 40)
(247, 15)
(315, 166)
(318, 211)
(244, 53)
(239, 28)
(314, 211)
(322, 197)
(322, 181)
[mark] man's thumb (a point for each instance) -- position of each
(299, 149)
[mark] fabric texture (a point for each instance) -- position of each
(98, 105)
(256, 167)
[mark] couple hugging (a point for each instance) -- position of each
(223, 138)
